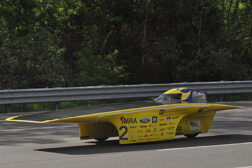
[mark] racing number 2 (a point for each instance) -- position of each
(123, 134)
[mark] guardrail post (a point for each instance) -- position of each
(56, 107)
(7, 108)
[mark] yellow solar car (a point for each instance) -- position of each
(179, 111)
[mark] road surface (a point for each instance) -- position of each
(227, 144)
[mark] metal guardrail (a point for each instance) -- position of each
(17, 96)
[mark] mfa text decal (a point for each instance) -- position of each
(128, 120)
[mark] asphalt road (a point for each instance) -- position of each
(227, 144)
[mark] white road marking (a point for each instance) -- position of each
(195, 147)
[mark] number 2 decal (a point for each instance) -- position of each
(123, 134)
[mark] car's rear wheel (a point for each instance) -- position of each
(191, 135)
(101, 139)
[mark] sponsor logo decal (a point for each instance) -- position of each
(143, 126)
(161, 112)
(154, 119)
(133, 126)
(148, 130)
(162, 119)
(168, 118)
(144, 120)
(195, 125)
(128, 120)
(141, 139)
(203, 109)
(175, 117)
(163, 124)
(171, 123)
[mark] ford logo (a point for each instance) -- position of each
(144, 120)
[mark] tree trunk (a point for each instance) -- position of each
(236, 11)
(144, 39)
(199, 31)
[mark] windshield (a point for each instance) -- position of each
(195, 96)
(199, 97)
(168, 98)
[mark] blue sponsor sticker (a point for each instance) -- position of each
(144, 120)
(154, 119)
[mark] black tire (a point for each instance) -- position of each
(191, 135)
(101, 139)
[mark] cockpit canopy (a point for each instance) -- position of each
(182, 95)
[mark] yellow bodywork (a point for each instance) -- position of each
(145, 124)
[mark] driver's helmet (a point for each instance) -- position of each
(182, 95)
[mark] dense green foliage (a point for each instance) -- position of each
(48, 43)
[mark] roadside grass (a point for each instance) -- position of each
(63, 105)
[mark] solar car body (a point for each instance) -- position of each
(178, 111)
